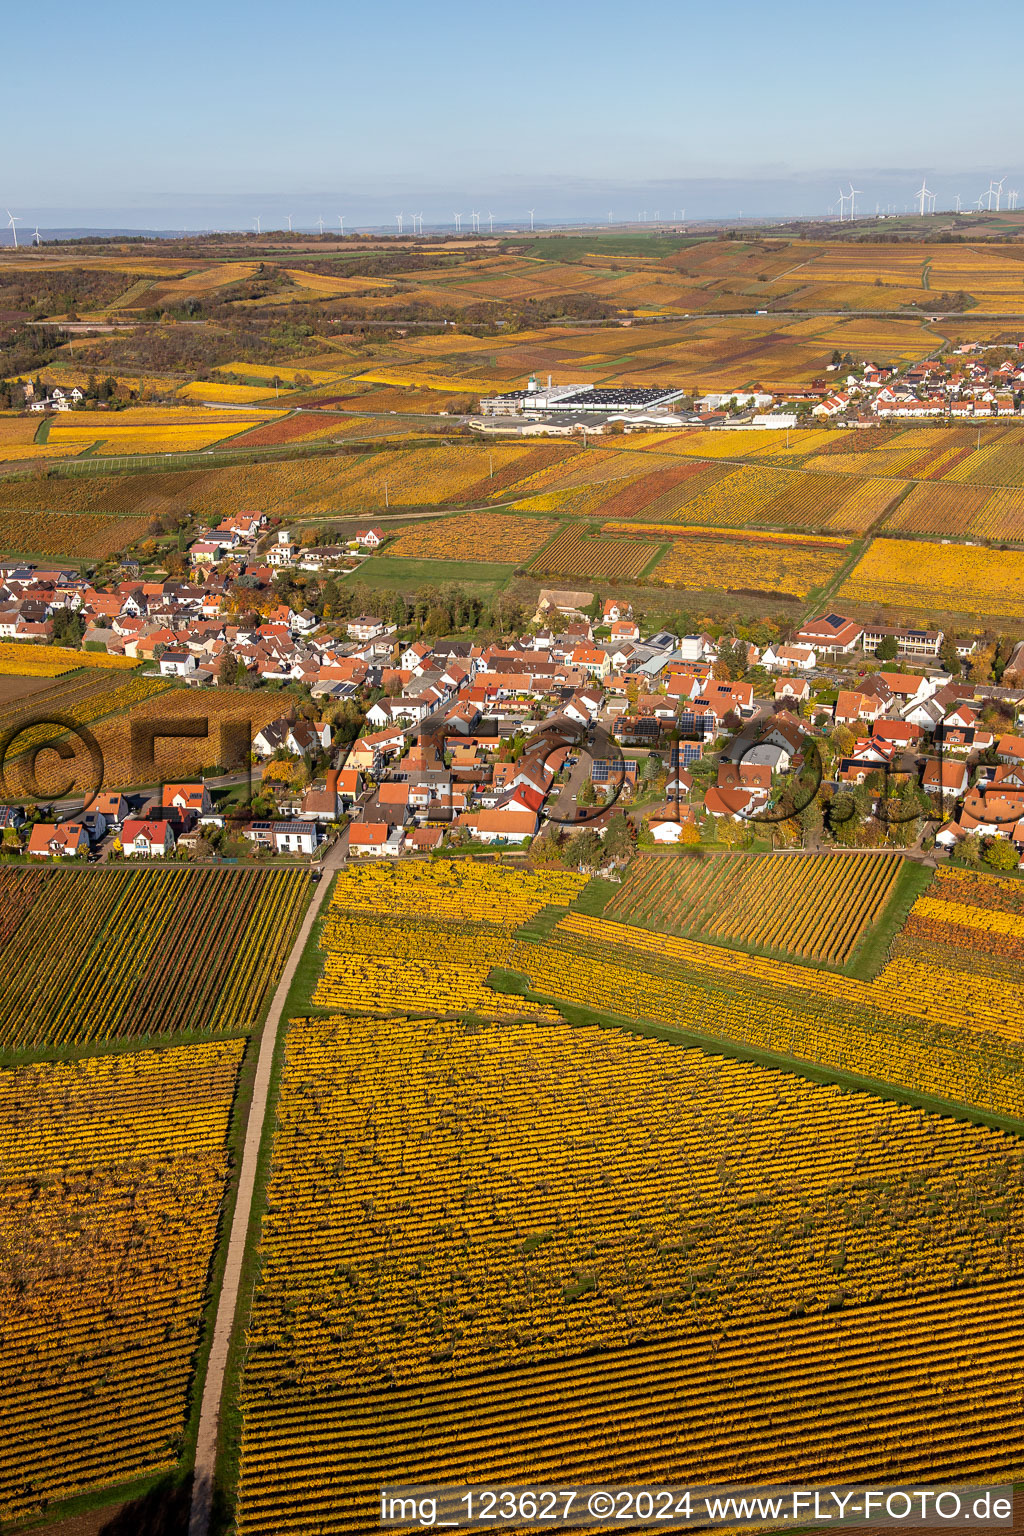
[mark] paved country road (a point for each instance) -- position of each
(227, 1304)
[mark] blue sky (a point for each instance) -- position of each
(211, 114)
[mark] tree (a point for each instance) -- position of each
(949, 656)
(617, 841)
(843, 740)
(843, 820)
(587, 795)
(227, 668)
(586, 849)
(887, 649)
(1001, 854)
(982, 664)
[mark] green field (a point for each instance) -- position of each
(393, 575)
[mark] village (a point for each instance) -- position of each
(576, 737)
(972, 381)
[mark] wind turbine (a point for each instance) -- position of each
(458, 223)
(1011, 201)
(490, 222)
(475, 219)
(12, 221)
(958, 202)
(259, 230)
(922, 196)
(398, 221)
(853, 204)
(610, 219)
(842, 205)
(341, 221)
(38, 239)
(289, 218)
(999, 193)
(531, 212)
(320, 221)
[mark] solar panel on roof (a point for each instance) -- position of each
(835, 618)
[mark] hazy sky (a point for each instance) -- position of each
(211, 113)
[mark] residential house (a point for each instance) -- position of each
(57, 840)
(308, 737)
(322, 802)
(666, 822)
(185, 798)
(591, 659)
(113, 806)
(796, 689)
(625, 630)
(852, 706)
(789, 658)
(375, 839)
(945, 778)
(178, 664)
(832, 633)
(271, 738)
(1010, 749)
(295, 837)
(366, 627)
(512, 825)
(147, 839)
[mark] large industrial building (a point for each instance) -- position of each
(578, 399)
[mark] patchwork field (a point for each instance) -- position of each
(100, 699)
(426, 936)
(93, 955)
(145, 730)
(18, 658)
(574, 554)
(521, 1239)
(738, 562)
(916, 580)
(473, 536)
(957, 510)
(929, 1037)
(53, 535)
(147, 430)
(112, 1173)
(812, 908)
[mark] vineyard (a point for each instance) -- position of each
(918, 580)
(21, 660)
(100, 699)
(950, 509)
(59, 536)
(474, 536)
(145, 429)
(914, 1026)
(576, 554)
(136, 725)
(93, 955)
(816, 908)
(424, 938)
(551, 1205)
(112, 1171)
(784, 565)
